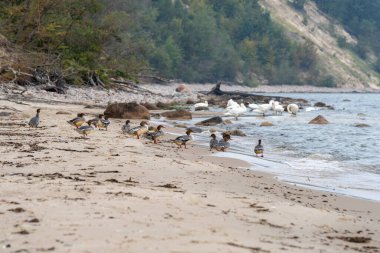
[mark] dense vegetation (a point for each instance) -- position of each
(360, 18)
(195, 41)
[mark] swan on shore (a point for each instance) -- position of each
(231, 104)
(292, 109)
(277, 108)
(236, 110)
(264, 108)
(252, 106)
(205, 104)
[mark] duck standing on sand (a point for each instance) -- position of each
(182, 140)
(126, 127)
(223, 144)
(85, 130)
(155, 135)
(104, 123)
(139, 130)
(77, 121)
(259, 149)
(35, 121)
(213, 142)
(96, 121)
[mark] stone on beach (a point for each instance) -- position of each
(361, 125)
(182, 88)
(63, 113)
(210, 122)
(127, 111)
(235, 132)
(195, 129)
(319, 120)
(178, 115)
(201, 108)
(266, 123)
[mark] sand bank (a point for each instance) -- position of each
(108, 193)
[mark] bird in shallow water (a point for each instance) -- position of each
(182, 140)
(259, 149)
(277, 108)
(104, 123)
(139, 130)
(213, 142)
(292, 109)
(35, 121)
(85, 130)
(155, 135)
(96, 121)
(126, 127)
(77, 121)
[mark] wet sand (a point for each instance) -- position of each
(110, 193)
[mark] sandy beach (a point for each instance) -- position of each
(110, 193)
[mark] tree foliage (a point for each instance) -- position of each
(360, 18)
(195, 41)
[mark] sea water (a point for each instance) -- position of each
(338, 157)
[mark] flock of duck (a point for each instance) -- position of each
(84, 127)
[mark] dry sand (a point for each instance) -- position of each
(109, 193)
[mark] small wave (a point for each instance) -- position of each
(319, 156)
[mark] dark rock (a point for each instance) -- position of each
(195, 129)
(162, 105)
(320, 120)
(210, 122)
(155, 115)
(182, 88)
(235, 132)
(127, 111)
(94, 106)
(320, 104)
(180, 125)
(150, 106)
(361, 125)
(201, 108)
(63, 112)
(179, 114)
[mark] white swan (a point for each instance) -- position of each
(252, 106)
(231, 104)
(236, 111)
(205, 104)
(292, 109)
(277, 108)
(264, 108)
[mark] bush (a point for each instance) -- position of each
(328, 81)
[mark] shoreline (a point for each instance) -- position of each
(159, 93)
(109, 193)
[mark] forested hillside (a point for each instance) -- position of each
(194, 41)
(361, 18)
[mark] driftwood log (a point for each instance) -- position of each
(216, 95)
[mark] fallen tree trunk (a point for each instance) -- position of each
(217, 94)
